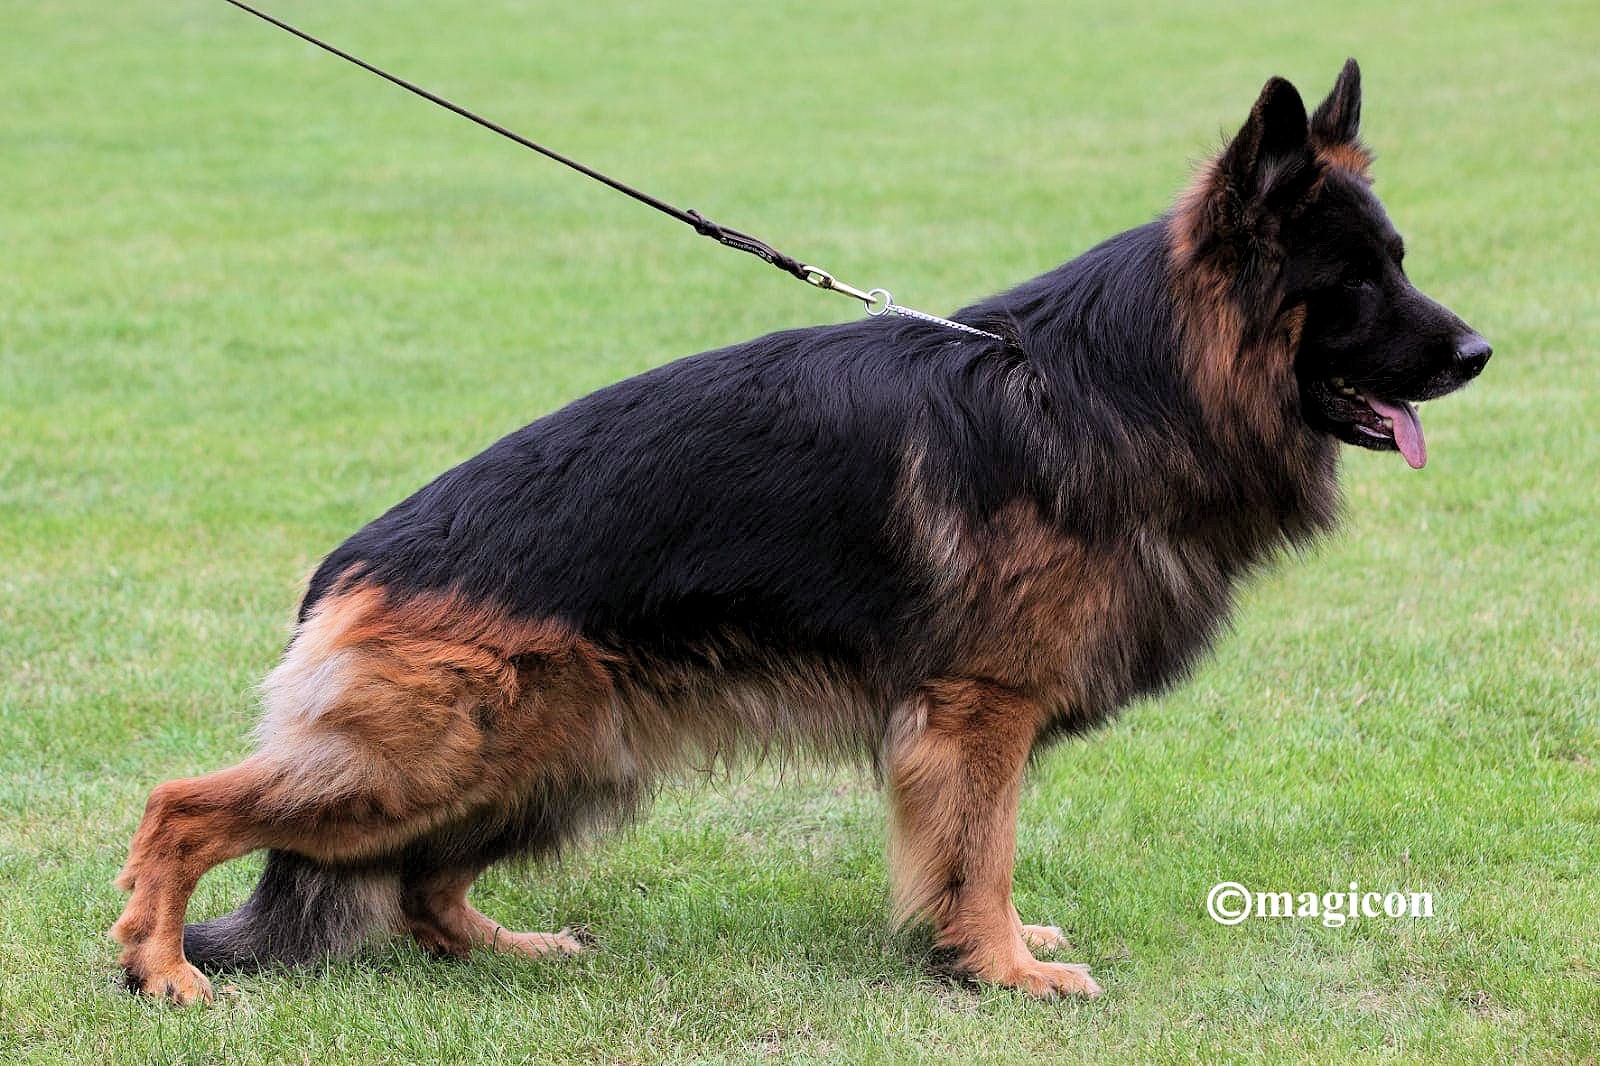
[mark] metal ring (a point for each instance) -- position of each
(878, 302)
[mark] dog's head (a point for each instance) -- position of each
(1289, 208)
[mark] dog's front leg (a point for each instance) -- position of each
(955, 771)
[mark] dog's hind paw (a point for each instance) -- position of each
(536, 945)
(180, 983)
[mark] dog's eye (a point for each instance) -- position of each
(1353, 283)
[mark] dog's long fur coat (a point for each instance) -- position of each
(885, 541)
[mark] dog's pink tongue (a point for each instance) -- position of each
(1407, 430)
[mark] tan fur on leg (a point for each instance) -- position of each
(188, 827)
(954, 782)
(442, 920)
(382, 722)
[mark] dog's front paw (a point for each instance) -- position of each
(1044, 937)
(1048, 980)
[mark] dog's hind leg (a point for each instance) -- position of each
(438, 915)
(438, 871)
(188, 827)
(192, 825)
(378, 732)
(954, 774)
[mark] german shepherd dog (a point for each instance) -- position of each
(885, 541)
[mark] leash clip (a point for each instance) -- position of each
(824, 280)
(879, 302)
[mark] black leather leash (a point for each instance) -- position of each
(876, 301)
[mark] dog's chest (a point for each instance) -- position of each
(1087, 627)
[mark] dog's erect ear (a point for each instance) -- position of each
(1244, 196)
(1272, 151)
(1338, 120)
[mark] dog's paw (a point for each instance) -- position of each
(1045, 937)
(1049, 980)
(537, 945)
(181, 983)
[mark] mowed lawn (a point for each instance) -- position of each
(250, 297)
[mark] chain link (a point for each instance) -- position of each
(911, 312)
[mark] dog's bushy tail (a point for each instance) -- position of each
(300, 911)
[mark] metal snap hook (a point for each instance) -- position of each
(818, 277)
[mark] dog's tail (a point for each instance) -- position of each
(301, 910)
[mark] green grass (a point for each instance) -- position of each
(249, 297)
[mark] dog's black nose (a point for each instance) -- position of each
(1472, 352)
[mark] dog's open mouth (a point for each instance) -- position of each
(1383, 425)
